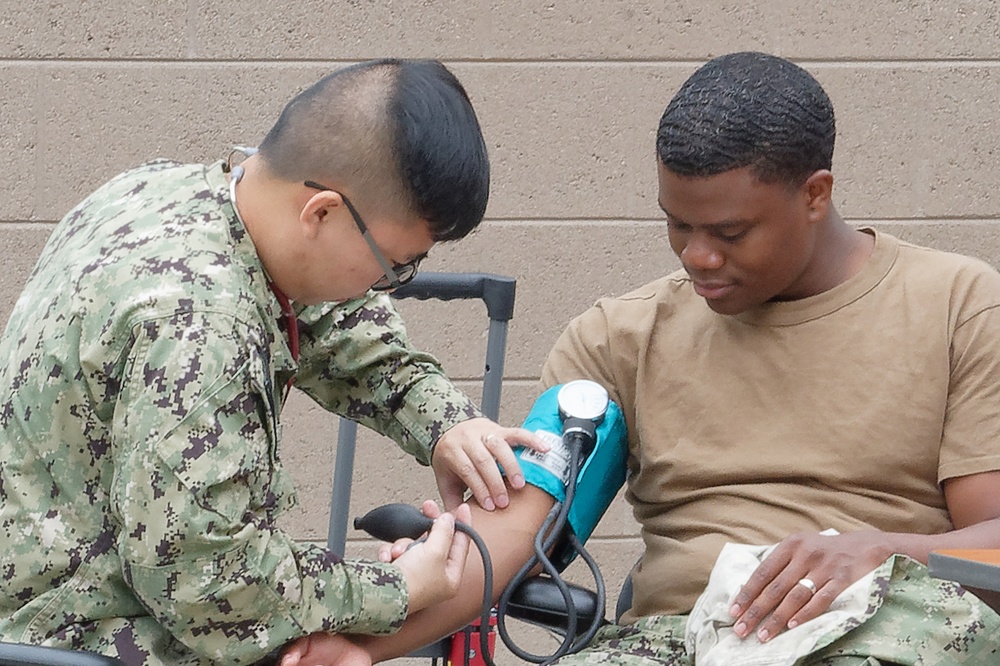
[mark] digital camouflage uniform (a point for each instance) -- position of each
(145, 369)
(902, 627)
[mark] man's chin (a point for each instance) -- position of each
(725, 306)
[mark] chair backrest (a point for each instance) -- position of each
(497, 292)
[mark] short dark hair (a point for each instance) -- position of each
(400, 135)
(748, 110)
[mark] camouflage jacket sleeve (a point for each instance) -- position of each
(356, 360)
(197, 489)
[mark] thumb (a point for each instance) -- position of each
(459, 551)
(451, 487)
(463, 514)
(440, 537)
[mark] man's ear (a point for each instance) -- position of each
(818, 192)
(318, 210)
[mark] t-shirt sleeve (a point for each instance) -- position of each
(196, 491)
(586, 349)
(971, 439)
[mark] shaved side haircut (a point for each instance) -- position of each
(748, 110)
(400, 137)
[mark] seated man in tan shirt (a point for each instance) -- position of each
(797, 376)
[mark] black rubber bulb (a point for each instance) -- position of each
(394, 521)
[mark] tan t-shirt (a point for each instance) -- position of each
(844, 410)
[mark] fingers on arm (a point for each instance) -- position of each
(499, 446)
(471, 455)
(455, 472)
(451, 488)
(475, 468)
(469, 473)
(515, 436)
(487, 473)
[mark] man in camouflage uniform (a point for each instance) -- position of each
(148, 358)
(828, 391)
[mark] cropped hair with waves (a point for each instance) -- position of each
(748, 110)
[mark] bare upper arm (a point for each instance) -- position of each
(973, 499)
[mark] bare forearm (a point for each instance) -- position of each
(981, 535)
(430, 624)
(918, 546)
(508, 534)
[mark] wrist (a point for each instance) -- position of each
(416, 592)
(914, 546)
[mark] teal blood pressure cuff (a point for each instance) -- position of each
(602, 474)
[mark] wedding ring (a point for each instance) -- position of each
(808, 584)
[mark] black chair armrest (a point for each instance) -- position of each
(538, 601)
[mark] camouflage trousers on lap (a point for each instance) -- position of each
(917, 621)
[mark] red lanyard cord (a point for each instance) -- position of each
(291, 322)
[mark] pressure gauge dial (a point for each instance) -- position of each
(583, 399)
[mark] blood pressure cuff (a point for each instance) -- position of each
(601, 475)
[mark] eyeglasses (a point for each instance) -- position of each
(395, 275)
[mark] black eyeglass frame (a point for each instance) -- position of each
(395, 275)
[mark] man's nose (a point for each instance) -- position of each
(701, 255)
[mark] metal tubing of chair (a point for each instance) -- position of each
(340, 500)
(496, 291)
(493, 374)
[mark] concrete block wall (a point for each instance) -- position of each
(569, 93)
